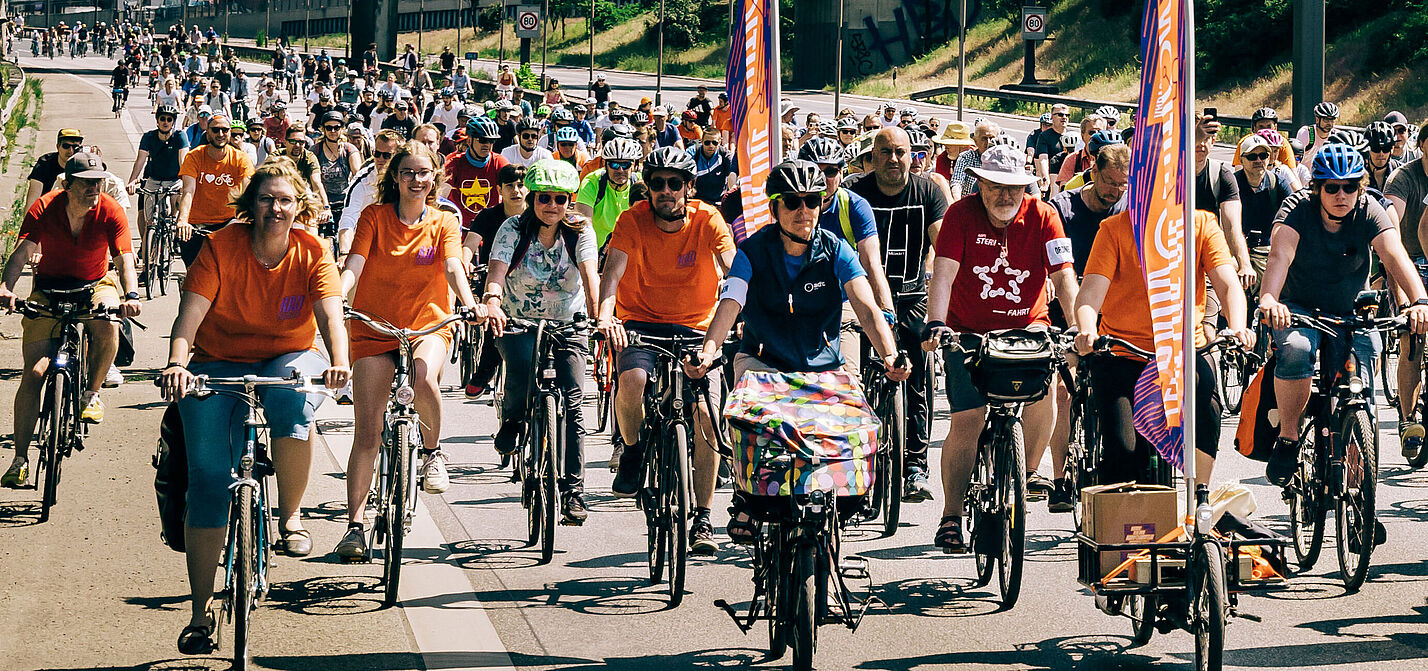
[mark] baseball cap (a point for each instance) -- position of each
(205, 110)
(658, 110)
(70, 134)
(85, 165)
(1252, 142)
(1396, 119)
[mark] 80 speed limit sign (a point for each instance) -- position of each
(1033, 23)
(528, 21)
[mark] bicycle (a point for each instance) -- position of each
(159, 240)
(1338, 450)
(889, 402)
(248, 553)
(121, 97)
(542, 452)
(394, 490)
(59, 431)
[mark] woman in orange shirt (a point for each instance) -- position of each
(405, 264)
(253, 303)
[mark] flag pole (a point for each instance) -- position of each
(775, 83)
(1188, 259)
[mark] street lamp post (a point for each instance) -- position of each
(590, 28)
(961, 56)
(421, 27)
(306, 22)
(502, 27)
(544, 41)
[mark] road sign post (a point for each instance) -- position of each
(528, 23)
(1033, 30)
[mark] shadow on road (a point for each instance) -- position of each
(938, 597)
(1085, 652)
(15, 514)
(328, 595)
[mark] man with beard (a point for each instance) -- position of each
(472, 174)
(210, 173)
(908, 210)
(363, 190)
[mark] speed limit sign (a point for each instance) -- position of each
(1033, 23)
(527, 20)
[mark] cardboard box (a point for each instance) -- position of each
(1127, 513)
(1172, 571)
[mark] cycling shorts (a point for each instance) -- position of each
(106, 293)
(644, 359)
(147, 202)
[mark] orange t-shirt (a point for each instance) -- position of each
(724, 118)
(404, 278)
(1125, 313)
(671, 278)
(259, 313)
(217, 182)
(595, 163)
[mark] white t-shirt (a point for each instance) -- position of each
(513, 154)
(174, 98)
(445, 117)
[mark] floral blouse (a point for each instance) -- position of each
(546, 284)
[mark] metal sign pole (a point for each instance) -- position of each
(544, 41)
(1187, 258)
(590, 28)
(838, 66)
(421, 27)
(307, 23)
(961, 58)
(502, 27)
(659, 66)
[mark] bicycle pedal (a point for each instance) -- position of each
(571, 523)
(854, 568)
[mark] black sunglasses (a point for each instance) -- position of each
(832, 171)
(529, 136)
(1262, 156)
(383, 154)
(812, 201)
(70, 145)
(711, 143)
(332, 128)
(1333, 188)
(661, 183)
(545, 198)
(620, 165)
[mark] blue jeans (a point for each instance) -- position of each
(206, 422)
(1294, 350)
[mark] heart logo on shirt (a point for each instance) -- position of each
(208, 177)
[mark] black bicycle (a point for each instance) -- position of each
(159, 240)
(542, 448)
(888, 400)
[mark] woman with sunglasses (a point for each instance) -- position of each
(1319, 260)
(337, 162)
(543, 266)
(405, 265)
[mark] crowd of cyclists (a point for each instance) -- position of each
(321, 185)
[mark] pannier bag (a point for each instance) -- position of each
(795, 433)
(1259, 416)
(171, 478)
(1015, 365)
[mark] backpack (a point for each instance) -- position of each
(845, 220)
(171, 478)
(528, 234)
(1259, 416)
(1212, 170)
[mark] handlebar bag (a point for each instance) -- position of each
(1015, 365)
(795, 433)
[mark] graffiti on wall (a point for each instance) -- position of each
(917, 27)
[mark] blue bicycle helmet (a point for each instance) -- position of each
(482, 128)
(1338, 161)
(567, 134)
(1103, 138)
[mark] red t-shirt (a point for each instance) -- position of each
(1001, 282)
(473, 189)
(105, 232)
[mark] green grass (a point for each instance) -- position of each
(26, 114)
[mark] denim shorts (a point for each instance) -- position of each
(1295, 348)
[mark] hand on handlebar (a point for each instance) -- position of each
(1243, 336)
(899, 368)
(130, 309)
(1274, 313)
(336, 377)
(1417, 318)
(936, 336)
(614, 333)
(496, 319)
(697, 367)
(1086, 341)
(8, 299)
(183, 230)
(175, 381)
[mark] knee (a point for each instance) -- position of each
(632, 384)
(208, 496)
(1294, 356)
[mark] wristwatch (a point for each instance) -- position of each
(131, 296)
(1421, 301)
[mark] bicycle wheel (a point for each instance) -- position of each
(151, 261)
(166, 259)
(395, 509)
(675, 492)
(894, 425)
(244, 584)
(549, 449)
(604, 386)
(1011, 500)
(1085, 454)
(656, 521)
(1209, 605)
(50, 434)
(804, 602)
(1141, 608)
(980, 517)
(1232, 380)
(1388, 371)
(777, 586)
(1354, 514)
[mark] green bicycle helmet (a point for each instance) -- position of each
(543, 110)
(551, 175)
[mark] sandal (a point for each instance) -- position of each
(742, 528)
(197, 639)
(295, 542)
(949, 535)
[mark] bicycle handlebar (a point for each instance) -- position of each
(33, 309)
(386, 328)
(205, 385)
(161, 191)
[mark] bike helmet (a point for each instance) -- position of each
(907, 111)
(622, 149)
(1379, 134)
(847, 123)
(827, 129)
(1004, 139)
(1046, 118)
(622, 130)
(166, 109)
(1338, 161)
(567, 134)
(280, 106)
(641, 119)
(1069, 142)
(1352, 138)
(1326, 110)
(1296, 146)
(1110, 114)
(823, 151)
(543, 110)
(796, 176)
(481, 127)
(527, 124)
(1272, 137)
(552, 175)
(669, 158)
(1101, 139)
(562, 115)
(1264, 113)
(918, 139)
(448, 92)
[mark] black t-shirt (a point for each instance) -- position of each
(119, 77)
(47, 169)
(364, 110)
(903, 223)
(406, 126)
(448, 60)
(703, 107)
(1258, 208)
(163, 162)
(1081, 223)
(711, 174)
(601, 91)
(1330, 269)
(1048, 143)
(1205, 198)
(485, 224)
(508, 135)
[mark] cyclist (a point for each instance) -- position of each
(666, 134)
(1319, 259)
(79, 228)
(1326, 116)
(477, 240)
(217, 99)
(908, 210)
(471, 174)
(963, 181)
(210, 173)
(119, 80)
(716, 170)
(1262, 191)
(1402, 134)
(1012, 246)
(363, 189)
(444, 113)
(277, 123)
(401, 118)
(263, 146)
(405, 265)
(605, 193)
(1380, 161)
(238, 89)
(567, 143)
(1406, 191)
(525, 152)
(49, 167)
(337, 162)
(543, 266)
(295, 149)
(662, 269)
(268, 98)
(232, 321)
(922, 159)
(161, 152)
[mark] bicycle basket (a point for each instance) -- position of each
(1015, 365)
(795, 433)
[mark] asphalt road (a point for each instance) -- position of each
(92, 589)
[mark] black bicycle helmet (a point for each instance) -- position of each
(333, 116)
(823, 151)
(796, 176)
(1379, 134)
(669, 158)
(1264, 113)
(168, 109)
(1349, 137)
(918, 139)
(622, 130)
(1326, 110)
(561, 115)
(526, 124)
(482, 127)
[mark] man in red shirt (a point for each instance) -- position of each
(79, 228)
(994, 256)
(471, 173)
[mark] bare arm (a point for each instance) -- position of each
(1397, 264)
(33, 192)
(352, 272)
(139, 162)
(860, 297)
(192, 310)
(615, 263)
(589, 285)
(1065, 282)
(333, 330)
(456, 279)
(585, 210)
(944, 272)
(1230, 219)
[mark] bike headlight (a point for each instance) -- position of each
(246, 462)
(61, 359)
(1356, 385)
(405, 395)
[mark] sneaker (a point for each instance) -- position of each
(701, 534)
(507, 436)
(630, 475)
(1037, 487)
(434, 479)
(344, 395)
(474, 391)
(615, 454)
(573, 508)
(353, 546)
(113, 378)
(18, 474)
(1411, 438)
(93, 409)
(1060, 501)
(915, 489)
(1282, 462)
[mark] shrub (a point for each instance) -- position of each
(527, 79)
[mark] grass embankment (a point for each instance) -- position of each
(26, 114)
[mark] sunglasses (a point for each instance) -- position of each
(832, 171)
(812, 201)
(1382, 149)
(70, 145)
(167, 119)
(867, 128)
(711, 143)
(565, 144)
(1333, 188)
(384, 154)
(1061, 114)
(546, 198)
(222, 129)
(620, 165)
(919, 155)
(333, 129)
(529, 136)
(661, 183)
(1262, 156)
(847, 131)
